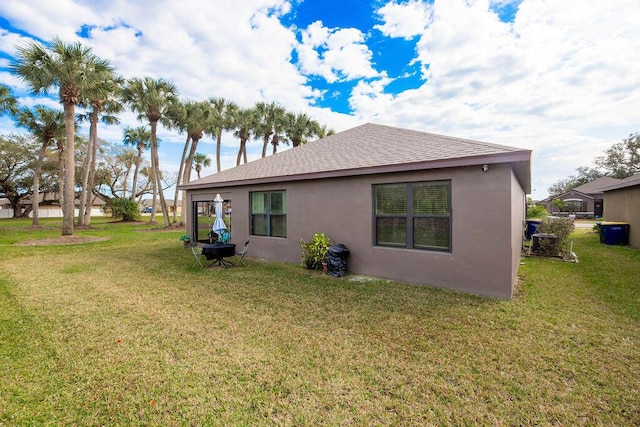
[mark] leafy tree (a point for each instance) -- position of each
(114, 164)
(152, 99)
(72, 68)
(582, 176)
(46, 125)
(200, 160)
(127, 158)
(17, 155)
(622, 159)
(140, 138)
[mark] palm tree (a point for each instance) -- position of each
(279, 132)
(8, 102)
(245, 122)
(190, 117)
(151, 99)
(104, 100)
(140, 138)
(300, 128)
(72, 68)
(322, 131)
(200, 160)
(220, 120)
(267, 115)
(45, 124)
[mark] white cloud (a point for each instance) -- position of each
(405, 20)
(560, 79)
(335, 54)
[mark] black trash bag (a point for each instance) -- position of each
(337, 260)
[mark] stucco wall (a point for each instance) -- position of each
(487, 211)
(624, 205)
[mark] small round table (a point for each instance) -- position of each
(218, 252)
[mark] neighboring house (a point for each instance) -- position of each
(49, 207)
(410, 206)
(584, 201)
(622, 203)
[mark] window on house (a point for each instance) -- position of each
(413, 215)
(269, 213)
(573, 205)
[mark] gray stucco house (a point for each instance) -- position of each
(411, 206)
(622, 203)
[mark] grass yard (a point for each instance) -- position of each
(125, 331)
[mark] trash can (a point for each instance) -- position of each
(337, 260)
(614, 233)
(531, 227)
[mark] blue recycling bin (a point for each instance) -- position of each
(531, 227)
(614, 233)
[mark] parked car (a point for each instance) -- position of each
(148, 209)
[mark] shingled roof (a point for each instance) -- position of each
(596, 186)
(370, 149)
(631, 181)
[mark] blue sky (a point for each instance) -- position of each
(555, 77)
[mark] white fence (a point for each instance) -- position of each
(48, 213)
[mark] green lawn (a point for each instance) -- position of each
(125, 331)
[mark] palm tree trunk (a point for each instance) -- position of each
(61, 149)
(186, 178)
(35, 203)
(92, 171)
(154, 181)
(135, 173)
(69, 171)
(218, 138)
(240, 150)
(156, 160)
(84, 197)
(85, 180)
(265, 142)
(180, 171)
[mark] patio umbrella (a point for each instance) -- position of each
(218, 225)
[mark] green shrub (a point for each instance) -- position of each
(315, 250)
(124, 208)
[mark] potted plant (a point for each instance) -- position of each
(314, 252)
(185, 239)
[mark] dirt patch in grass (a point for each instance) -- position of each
(62, 240)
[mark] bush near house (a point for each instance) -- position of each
(125, 209)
